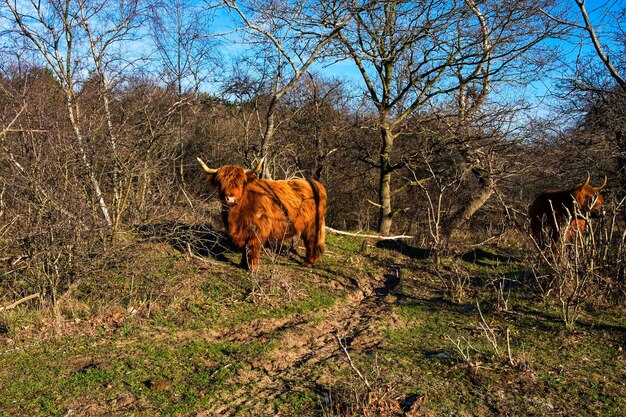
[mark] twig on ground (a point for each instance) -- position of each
(379, 237)
(345, 351)
(20, 301)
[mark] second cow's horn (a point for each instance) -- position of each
(258, 167)
(588, 179)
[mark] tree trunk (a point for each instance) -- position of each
(87, 163)
(117, 203)
(385, 213)
(460, 217)
(266, 140)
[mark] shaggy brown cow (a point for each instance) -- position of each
(256, 211)
(552, 209)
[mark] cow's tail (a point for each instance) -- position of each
(320, 247)
(319, 192)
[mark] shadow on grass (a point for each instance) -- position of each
(402, 247)
(438, 303)
(199, 239)
(343, 276)
(481, 256)
(552, 321)
(205, 241)
(391, 282)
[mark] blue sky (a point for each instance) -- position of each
(603, 14)
(540, 92)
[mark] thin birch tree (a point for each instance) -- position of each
(54, 29)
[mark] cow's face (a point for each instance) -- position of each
(589, 198)
(230, 181)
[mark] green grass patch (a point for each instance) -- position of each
(39, 381)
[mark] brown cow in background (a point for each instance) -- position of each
(552, 209)
(256, 211)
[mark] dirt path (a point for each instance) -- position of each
(304, 350)
(303, 343)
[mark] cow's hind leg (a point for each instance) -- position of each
(309, 259)
(309, 239)
(244, 259)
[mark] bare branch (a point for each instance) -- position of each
(20, 301)
(378, 237)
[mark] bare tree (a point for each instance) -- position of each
(290, 38)
(596, 85)
(320, 122)
(412, 55)
(607, 46)
(54, 30)
(187, 53)
(481, 124)
(106, 26)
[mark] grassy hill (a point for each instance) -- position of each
(377, 330)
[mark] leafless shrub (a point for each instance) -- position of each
(455, 280)
(366, 393)
(53, 236)
(612, 252)
(502, 288)
(272, 283)
(497, 341)
(588, 267)
(434, 211)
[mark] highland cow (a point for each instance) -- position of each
(256, 211)
(563, 214)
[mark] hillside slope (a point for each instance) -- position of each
(368, 331)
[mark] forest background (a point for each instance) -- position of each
(430, 119)
(412, 113)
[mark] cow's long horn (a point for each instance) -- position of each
(205, 167)
(257, 169)
(603, 184)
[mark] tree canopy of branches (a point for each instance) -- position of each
(413, 55)
(285, 39)
(595, 84)
(408, 112)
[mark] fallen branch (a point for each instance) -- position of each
(20, 301)
(199, 258)
(379, 237)
(345, 351)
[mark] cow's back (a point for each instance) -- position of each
(551, 201)
(279, 209)
(301, 200)
(548, 212)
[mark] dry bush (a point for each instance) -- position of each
(454, 280)
(497, 340)
(367, 393)
(53, 233)
(588, 269)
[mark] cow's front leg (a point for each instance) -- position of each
(250, 258)
(244, 258)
